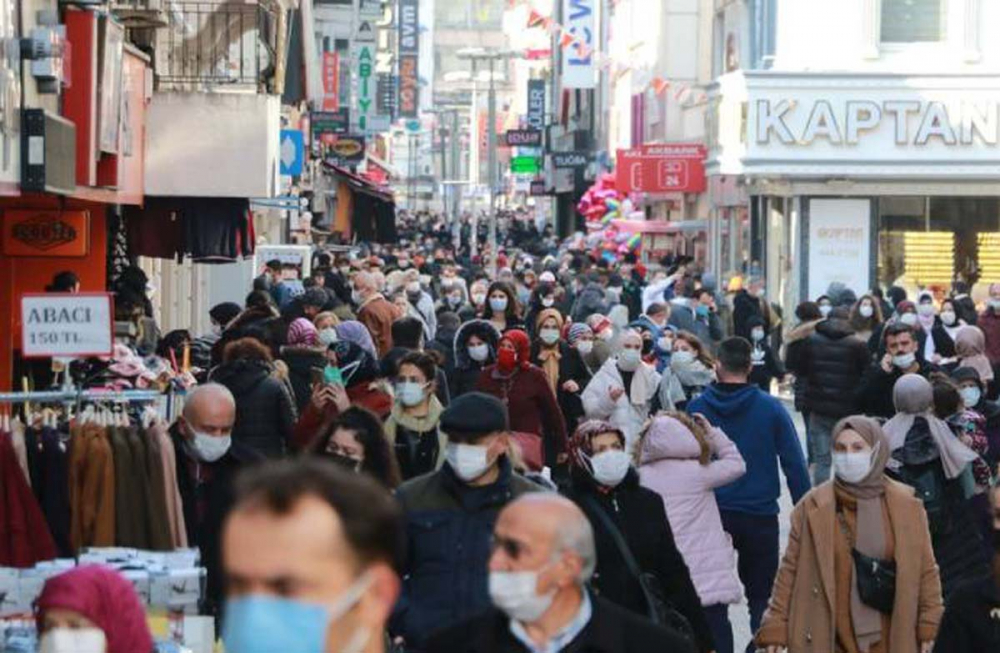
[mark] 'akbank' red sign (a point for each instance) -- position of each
(663, 168)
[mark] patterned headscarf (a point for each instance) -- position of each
(580, 449)
(578, 330)
(302, 332)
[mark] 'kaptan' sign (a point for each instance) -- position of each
(847, 122)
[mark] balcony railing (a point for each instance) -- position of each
(217, 46)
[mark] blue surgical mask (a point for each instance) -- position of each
(265, 624)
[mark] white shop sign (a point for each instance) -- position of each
(839, 245)
(578, 64)
(823, 125)
(67, 325)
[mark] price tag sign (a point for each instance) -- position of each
(67, 325)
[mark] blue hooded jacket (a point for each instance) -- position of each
(764, 433)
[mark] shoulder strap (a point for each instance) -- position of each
(616, 535)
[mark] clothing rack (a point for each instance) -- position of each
(166, 403)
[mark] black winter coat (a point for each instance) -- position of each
(970, 621)
(215, 495)
(833, 362)
(944, 345)
(572, 368)
(745, 307)
(874, 395)
(466, 373)
(301, 361)
(265, 410)
(444, 344)
(610, 630)
(640, 516)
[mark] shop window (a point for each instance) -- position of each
(913, 21)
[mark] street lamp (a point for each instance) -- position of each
(475, 55)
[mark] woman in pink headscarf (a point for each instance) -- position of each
(91, 609)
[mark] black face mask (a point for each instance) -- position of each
(348, 463)
(647, 347)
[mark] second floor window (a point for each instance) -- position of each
(913, 21)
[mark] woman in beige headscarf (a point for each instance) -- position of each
(815, 604)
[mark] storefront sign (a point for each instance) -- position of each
(66, 325)
(570, 159)
(524, 138)
(409, 52)
(345, 150)
(538, 188)
(839, 244)
(364, 68)
(578, 63)
(330, 122)
(536, 104)
(46, 233)
(876, 125)
(529, 165)
(667, 168)
(331, 81)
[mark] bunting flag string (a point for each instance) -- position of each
(683, 92)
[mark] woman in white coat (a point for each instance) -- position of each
(623, 389)
(683, 459)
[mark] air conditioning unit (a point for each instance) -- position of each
(139, 14)
(48, 153)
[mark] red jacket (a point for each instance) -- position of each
(24, 535)
(313, 422)
(531, 406)
(989, 322)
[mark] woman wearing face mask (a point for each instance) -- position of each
(326, 325)
(350, 378)
(970, 621)
(547, 348)
(683, 459)
(452, 298)
(841, 530)
(605, 343)
(413, 427)
(302, 353)
(973, 392)
(825, 305)
(926, 319)
(525, 389)
(475, 348)
(575, 373)
(542, 297)
(91, 609)
(970, 350)
(606, 487)
(624, 389)
(478, 294)
(357, 442)
(945, 329)
(866, 320)
(691, 369)
(765, 365)
(925, 454)
(502, 307)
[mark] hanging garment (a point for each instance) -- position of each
(91, 488)
(20, 448)
(157, 523)
(53, 487)
(129, 500)
(174, 507)
(24, 535)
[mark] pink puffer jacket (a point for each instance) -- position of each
(669, 465)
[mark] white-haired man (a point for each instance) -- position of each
(543, 556)
(374, 310)
(207, 461)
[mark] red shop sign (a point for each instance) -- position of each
(663, 168)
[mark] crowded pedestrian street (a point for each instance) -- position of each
(500, 326)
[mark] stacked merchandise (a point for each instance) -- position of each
(105, 479)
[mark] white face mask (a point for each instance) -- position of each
(665, 343)
(328, 336)
(209, 448)
(548, 302)
(681, 358)
(610, 467)
(585, 346)
(498, 304)
(356, 297)
(479, 353)
(757, 334)
(866, 311)
(549, 336)
(468, 461)
(629, 359)
(516, 594)
(825, 309)
(948, 317)
(478, 298)
(73, 640)
(413, 288)
(994, 304)
(925, 309)
(606, 335)
(908, 319)
(455, 300)
(904, 361)
(971, 396)
(852, 467)
(410, 393)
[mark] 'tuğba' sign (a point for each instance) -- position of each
(66, 325)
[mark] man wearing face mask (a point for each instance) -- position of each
(606, 487)
(450, 514)
(311, 555)
(207, 462)
(989, 322)
(901, 357)
(543, 557)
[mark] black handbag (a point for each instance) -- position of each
(876, 578)
(660, 610)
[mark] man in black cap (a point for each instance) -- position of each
(450, 515)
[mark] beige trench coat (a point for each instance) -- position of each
(800, 614)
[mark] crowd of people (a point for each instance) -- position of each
(408, 451)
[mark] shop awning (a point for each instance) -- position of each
(358, 183)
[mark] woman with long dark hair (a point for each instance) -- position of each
(502, 308)
(356, 441)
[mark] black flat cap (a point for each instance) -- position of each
(472, 414)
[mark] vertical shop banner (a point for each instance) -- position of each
(536, 104)
(331, 81)
(839, 244)
(578, 63)
(364, 66)
(409, 52)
